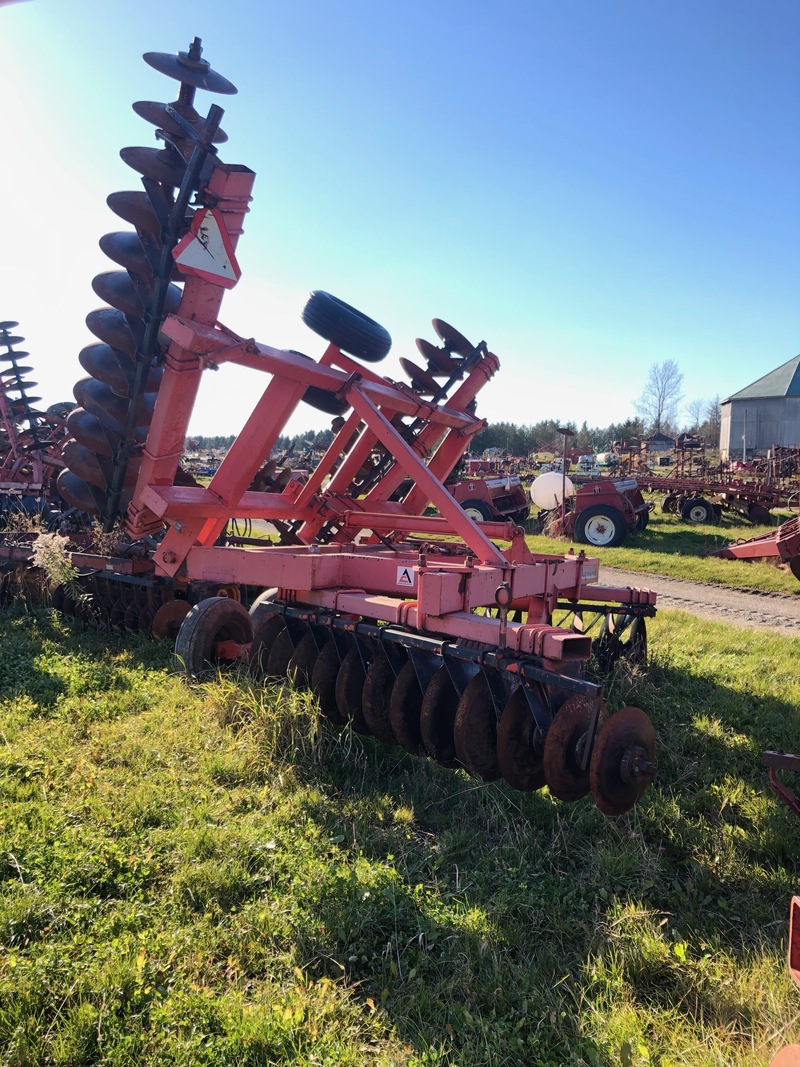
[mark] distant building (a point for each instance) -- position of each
(763, 414)
(659, 442)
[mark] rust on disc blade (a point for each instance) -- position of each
(131, 622)
(167, 620)
(160, 164)
(520, 764)
(157, 114)
(265, 629)
(135, 208)
(453, 340)
(280, 654)
(562, 770)
(302, 662)
(323, 682)
(422, 381)
(88, 429)
(437, 718)
(127, 250)
(626, 734)
(475, 730)
(196, 72)
(405, 706)
(375, 699)
(349, 689)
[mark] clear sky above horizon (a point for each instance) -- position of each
(590, 187)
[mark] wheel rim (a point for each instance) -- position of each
(698, 513)
(474, 514)
(600, 530)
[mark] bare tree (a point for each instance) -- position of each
(696, 410)
(661, 398)
(713, 421)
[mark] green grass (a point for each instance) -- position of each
(679, 549)
(206, 875)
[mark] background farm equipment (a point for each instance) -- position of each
(414, 627)
(31, 441)
(492, 498)
(602, 512)
(782, 544)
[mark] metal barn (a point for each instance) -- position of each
(763, 414)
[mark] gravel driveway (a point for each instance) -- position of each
(739, 607)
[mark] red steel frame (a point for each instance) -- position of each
(351, 575)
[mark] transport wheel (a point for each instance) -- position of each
(623, 761)
(759, 516)
(601, 526)
(566, 735)
(349, 687)
(475, 730)
(209, 622)
(405, 707)
(375, 700)
(302, 662)
(669, 505)
(437, 718)
(696, 509)
(477, 510)
(323, 682)
(519, 760)
(345, 327)
(266, 627)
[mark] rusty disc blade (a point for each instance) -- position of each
(79, 494)
(146, 616)
(375, 699)
(116, 616)
(421, 380)
(520, 763)
(127, 250)
(440, 363)
(437, 718)
(475, 730)
(195, 72)
(112, 410)
(131, 622)
(302, 662)
(135, 208)
(453, 340)
(115, 369)
(280, 655)
(89, 431)
(87, 464)
(163, 165)
(349, 688)
(567, 731)
(265, 629)
(323, 682)
(405, 706)
(157, 114)
(111, 326)
(167, 620)
(615, 785)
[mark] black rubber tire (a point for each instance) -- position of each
(216, 619)
(669, 505)
(585, 529)
(480, 507)
(696, 509)
(345, 327)
(642, 520)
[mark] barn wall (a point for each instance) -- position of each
(769, 421)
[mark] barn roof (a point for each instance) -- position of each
(783, 381)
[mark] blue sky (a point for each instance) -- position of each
(590, 187)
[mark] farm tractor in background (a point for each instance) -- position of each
(410, 626)
(602, 512)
